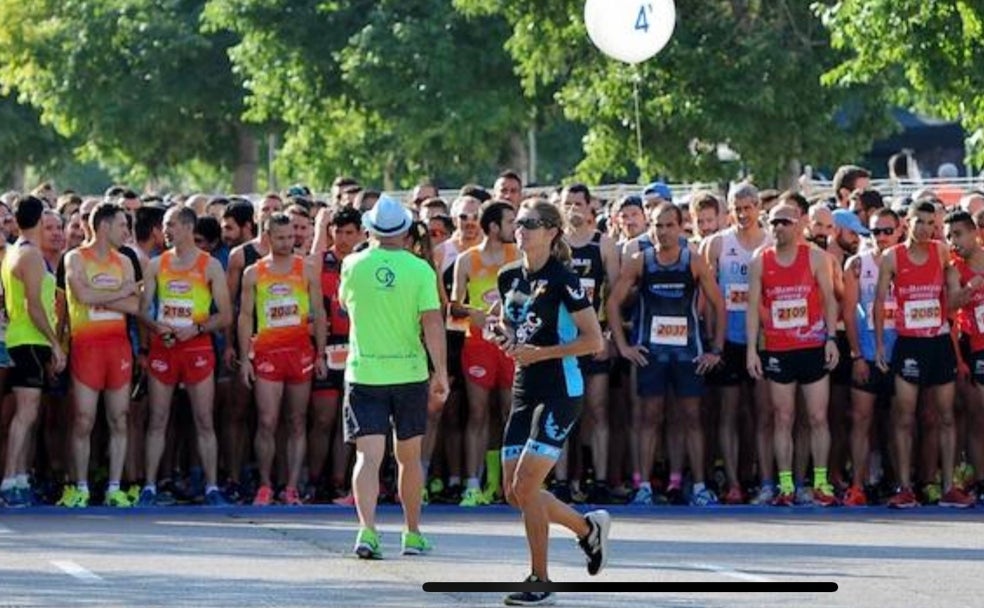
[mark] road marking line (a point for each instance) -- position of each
(731, 573)
(75, 570)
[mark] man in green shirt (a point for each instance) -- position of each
(390, 294)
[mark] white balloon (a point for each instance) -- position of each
(630, 30)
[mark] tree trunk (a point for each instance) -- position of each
(519, 157)
(247, 162)
(18, 174)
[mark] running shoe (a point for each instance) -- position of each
(931, 493)
(291, 497)
(367, 544)
(955, 498)
(214, 498)
(734, 496)
(963, 475)
(855, 497)
(345, 501)
(784, 499)
(643, 496)
(531, 598)
(595, 544)
(823, 496)
(414, 543)
(474, 497)
(766, 496)
(435, 486)
(79, 499)
(264, 497)
(804, 495)
(117, 498)
(703, 498)
(904, 498)
(67, 497)
(165, 498)
(674, 496)
(133, 493)
(148, 498)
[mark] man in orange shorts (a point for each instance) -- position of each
(101, 292)
(181, 285)
(279, 290)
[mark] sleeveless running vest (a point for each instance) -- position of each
(732, 277)
(282, 306)
(20, 329)
(96, 323)
(483, 286)
(668, 297)
(791, 308)
(587, 264)
(184, 297)
(970, 318)
(919, 294)
(868, 285)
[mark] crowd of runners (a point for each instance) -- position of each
(760, 347)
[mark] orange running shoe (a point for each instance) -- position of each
(823, 496)
(784, 499)
(734, 496)
(855, 497)
(264, 496)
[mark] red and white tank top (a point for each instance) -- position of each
(920, 295)
(791, 308)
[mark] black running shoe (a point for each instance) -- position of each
(595, 544)
(531, 598)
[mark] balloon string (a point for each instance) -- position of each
(638, 120)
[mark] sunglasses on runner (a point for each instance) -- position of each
(532, 223)
(881, 231)
(781, 221)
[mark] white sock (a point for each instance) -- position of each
(22, 481)
(646, 485)
(454, 481)
(210, 488)
(152, 487)
(82, 486)
(114, 486)
(473, 483)
(8, 483)
(698, 488)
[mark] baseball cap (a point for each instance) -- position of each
(659, 189)
(844, 218)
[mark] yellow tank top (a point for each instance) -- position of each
(96, 323)
(483, 285)
(20, 329)
(282, 306)
(184, 297)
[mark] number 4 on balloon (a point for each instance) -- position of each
(642, 19)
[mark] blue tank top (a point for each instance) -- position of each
(668, 298)
(867, 286)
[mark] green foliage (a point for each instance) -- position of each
(391, 90)
(927, 54)
(742, 73)
(134, 80)
(23, 140)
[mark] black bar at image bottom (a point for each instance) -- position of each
(636, 587)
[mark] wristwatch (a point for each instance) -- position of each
(856, 356)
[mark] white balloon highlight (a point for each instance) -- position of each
(630, 30)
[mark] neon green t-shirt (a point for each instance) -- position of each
(385, 291)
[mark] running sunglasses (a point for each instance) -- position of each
(881, 231)
(468, 217)
(532, 223)
(781, 221)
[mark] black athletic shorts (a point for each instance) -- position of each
(375, 410)
(925, 362)
(30, 369)
(803, 366)
(540, 426)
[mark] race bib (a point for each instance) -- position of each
(890, 308)
(588, 285)
(177, 313)
(337, 356)
(98, 313)
(979, 317)
(923, 314)
(736, 297)
(282, 312)
(790, 314)
(668, 331)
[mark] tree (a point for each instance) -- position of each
(385, 89)
(922, 54)
(742, 73)
(24, 141)
(135, 81)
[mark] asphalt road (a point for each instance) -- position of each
(300, 557)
